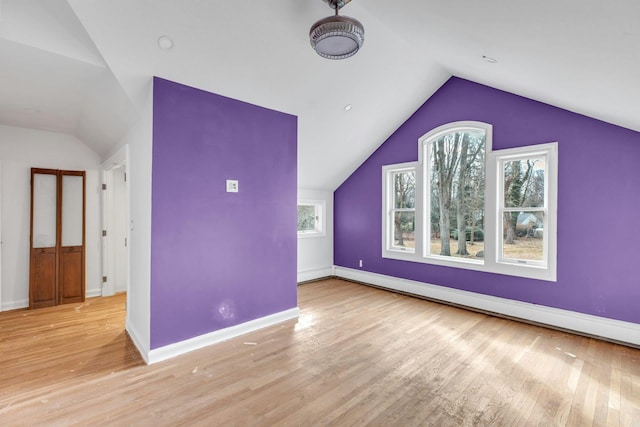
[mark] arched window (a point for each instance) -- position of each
(464, 205)
(454, 174)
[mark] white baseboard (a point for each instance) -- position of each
(182, 347)
(315, 273)
(616, 330)
(143, 348)
(24, 303)
(92, 293)
(14, 305)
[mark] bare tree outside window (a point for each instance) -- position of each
(477, 208)
(457, 172)
(524, 209)
(310, 218)
(404, 204)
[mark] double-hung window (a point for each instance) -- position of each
(526, 208)
(464, 205)
(401, 207)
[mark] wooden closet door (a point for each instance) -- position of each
(57, 265)
(44, 228)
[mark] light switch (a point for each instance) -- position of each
(232, 186)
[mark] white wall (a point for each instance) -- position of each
(315, 254)
(20, 150)
(140, 142)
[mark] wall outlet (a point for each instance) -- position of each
(360, 263)
(232, 186)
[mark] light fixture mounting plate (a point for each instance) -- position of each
(337, 4)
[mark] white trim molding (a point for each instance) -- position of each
(605, 328)
(92, 293)
(315, 274)
(191, 344)
(24, 303)
(15, 305)
(143, 349)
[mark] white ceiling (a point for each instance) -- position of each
(83, 66)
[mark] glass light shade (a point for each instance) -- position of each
(337, 37)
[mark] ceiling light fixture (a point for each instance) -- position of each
(347, 107)
(489, 59)
(337, 37)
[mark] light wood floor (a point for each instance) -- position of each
(357, 356)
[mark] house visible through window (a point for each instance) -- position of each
(525, 193)
(464, 205)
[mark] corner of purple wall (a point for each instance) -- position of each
(219, 259)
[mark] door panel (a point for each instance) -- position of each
(72, 202)
(71, 275)
(45, 209)
(43, 277)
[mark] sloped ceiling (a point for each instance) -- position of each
(83, 66)
(53, 78)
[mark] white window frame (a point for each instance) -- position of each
(389, 209)
(424, 158)
(545, 269)
(320, 208)
(493, 193)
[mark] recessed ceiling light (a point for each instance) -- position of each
(489, 59)
(347, 107)
(165, 42)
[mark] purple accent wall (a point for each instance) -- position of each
(219, 259)
(598, 202)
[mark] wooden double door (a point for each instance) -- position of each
(57, 261)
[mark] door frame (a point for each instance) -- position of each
(116, 161)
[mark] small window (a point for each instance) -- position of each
(310, 218)
(400, 212)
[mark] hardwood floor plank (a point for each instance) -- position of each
(356, 356)
(614, 390)
(558, 404)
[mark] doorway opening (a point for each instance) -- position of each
(115, 221)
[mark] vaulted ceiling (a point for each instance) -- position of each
(83, 67)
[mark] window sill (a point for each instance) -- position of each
(311, 234)
(528, 271)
